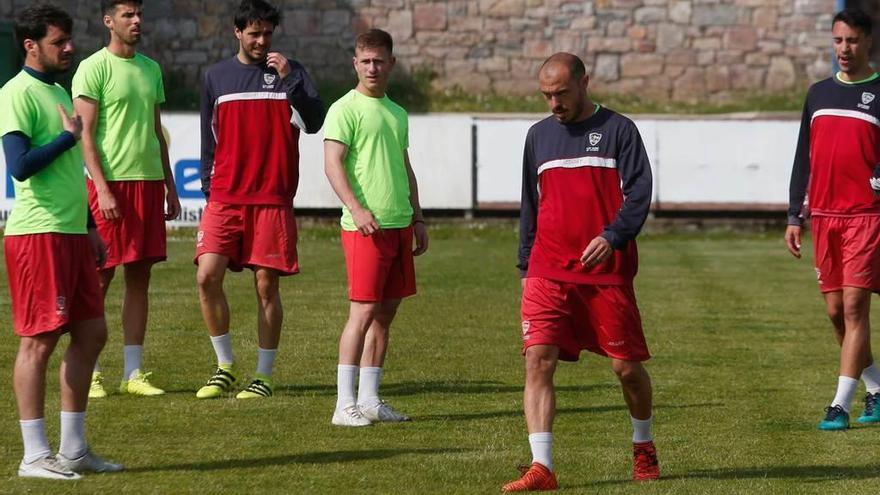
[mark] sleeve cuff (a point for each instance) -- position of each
(612, 239)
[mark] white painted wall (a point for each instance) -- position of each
(734, 162)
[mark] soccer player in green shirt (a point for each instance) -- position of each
(117, 92)
(367, 163)
(50, 252)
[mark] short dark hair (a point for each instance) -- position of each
(575, 65)
(375, 38)
(250, 11)
(854, 18)
(33, 23)
(108, 6)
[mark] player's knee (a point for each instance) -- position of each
(267, 290)
(539, 364)
(854, 312)
(629, 373)
(208, 280)
(36, 350)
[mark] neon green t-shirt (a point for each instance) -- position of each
(54, 199)
(376, 133)
(127, 91)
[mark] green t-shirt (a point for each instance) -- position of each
(54, 199)
(127, 91)
(376, 133)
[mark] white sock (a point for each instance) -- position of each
(642, 429)
(133, 359)
(846, 388)
(265, 361)
(871, 377)
(73, 434)
(97, 368)
(542, 448)
(33, 435)
(346, 379)
(223, 349)
(368, 386)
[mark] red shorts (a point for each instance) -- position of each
(140, 234)
(52, 281)
(603, 319)
(380, 266)
(847, 252)
(250, 236)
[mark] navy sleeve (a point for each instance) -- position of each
(209, 143)
(23, 161)
(528, 209)
(800, 171)
(304, 98)
(636, 182)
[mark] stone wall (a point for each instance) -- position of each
(686, 50)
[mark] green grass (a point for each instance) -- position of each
(744, 362)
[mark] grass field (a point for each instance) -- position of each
(744, 363)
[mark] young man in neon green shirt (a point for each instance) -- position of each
(367, 163)
(50, 251)
(117, 92)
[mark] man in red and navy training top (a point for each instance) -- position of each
(837, 152)
(586, 193)
(254, 106)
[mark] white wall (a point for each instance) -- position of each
(733, 163)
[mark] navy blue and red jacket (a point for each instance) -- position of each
(838, 148)
(583, 180)
(251, 119)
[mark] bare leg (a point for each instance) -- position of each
(636, 385)
(270, 313)
(351, 343)
(29, 376)
(834, 308)
(135, 305)
(855, 350)
(87, 338)
(539, 397)
(215, 309)
(376, 339)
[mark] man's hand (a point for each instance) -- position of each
(172, 203)
(108, 206)
(70, 124)
(278, 62)
(364, 221)
(98, 247)
(421, 233)
(793, 240)
(597, 251)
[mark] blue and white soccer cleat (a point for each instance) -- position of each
(835, 419)
(872, 409)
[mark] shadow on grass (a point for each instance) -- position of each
(282, 460)
(559, 411)
(810, 474)
(442, 387)
(514, 414)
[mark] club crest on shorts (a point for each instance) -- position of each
(867, 98)
(595, 137)
(199, 236)
(269, 78)
(525, 329)
(61, 305)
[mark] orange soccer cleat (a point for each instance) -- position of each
(534, 478)
(645, 464)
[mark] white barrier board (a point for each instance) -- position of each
(440, 152)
